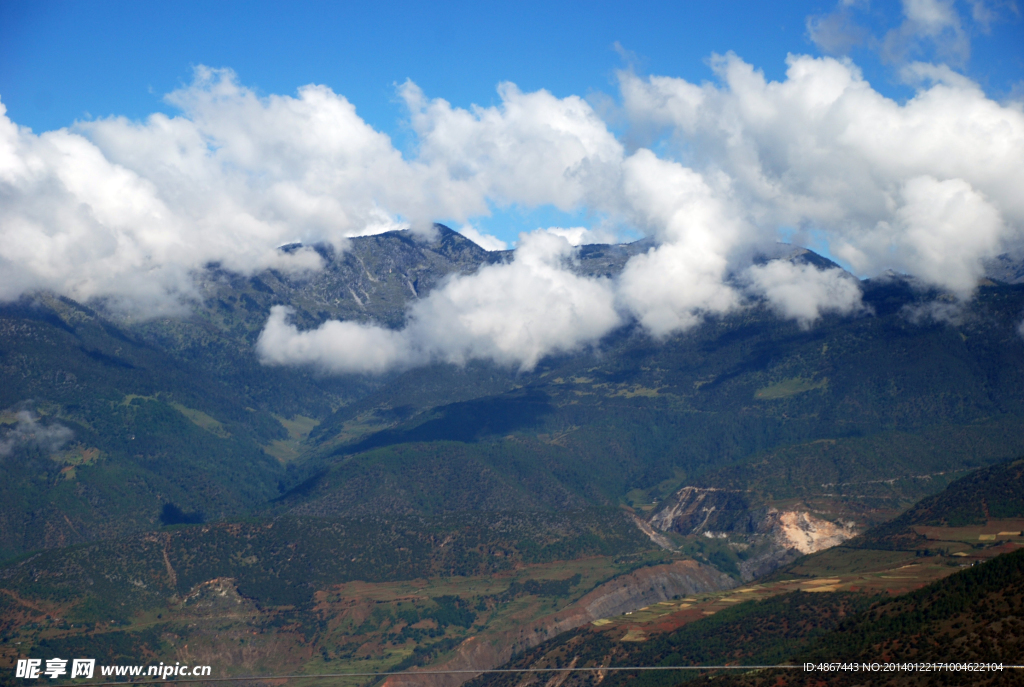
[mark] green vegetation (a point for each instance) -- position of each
(299, 428)
(201, 419)
(874, 407)
(973, 611)
(284, 561)
(790, 387)
(994, 492)
(974, 616)
(191, 462)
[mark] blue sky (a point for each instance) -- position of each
(153, 138)
(61, 61)
(143, 141)
(66, 61)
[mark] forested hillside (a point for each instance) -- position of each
(142, 462)
(889, 405)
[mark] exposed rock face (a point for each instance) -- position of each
(218, 597)
(373, 278)
(652, 534)
(695, 510)
(775, 536)
(624, 593)
(802, 531)
(651, 585)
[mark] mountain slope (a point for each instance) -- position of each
(973, 616)
(141, 430)
(972, 612)
(178, 411)
(992, 493)
(167, 472)
(877, 407)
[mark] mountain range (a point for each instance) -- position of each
(143, 461)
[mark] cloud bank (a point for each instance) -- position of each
(929, 187)
(129, 211)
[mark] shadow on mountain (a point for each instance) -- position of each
(468, 421)
(173, 515)
(762, 349)
(26, 308)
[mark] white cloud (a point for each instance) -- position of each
(936, 30)
(986, 12)
(29, 431)
(485, 241)
(931, 17)
(836, 33)
(340, 347)
(920, 74)
(945, 310)
(939, 232)
(670, 287)
(533, 149)
(803, 292)
(582, 236)
(935, 23)
(513, 314)
(822, 151)
(129, 211)
(576, 236)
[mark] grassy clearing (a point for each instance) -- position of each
(127, 400)
(789, 387)
(287, 450)
(202, 420)
(634, 390)
(299, 426)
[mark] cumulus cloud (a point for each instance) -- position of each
(485, 241)
(513, 314)
(941, 230)
(29, 431)
(340, 347)
(672, 286)
(928, 187)
(582, 236)
(534, 149)
(129, 211)
(803, 292)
